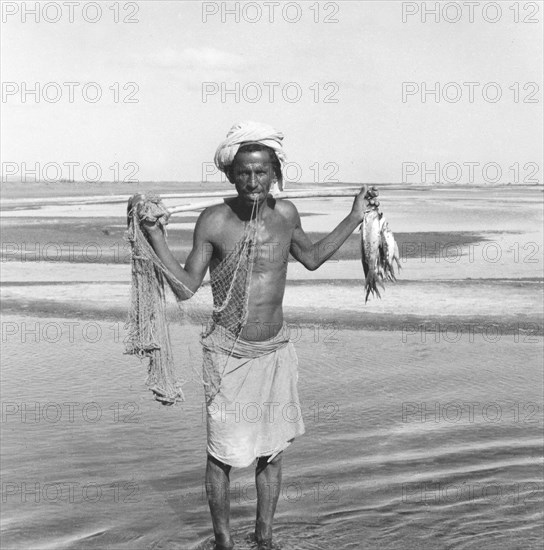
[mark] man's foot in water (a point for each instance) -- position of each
(262, 544)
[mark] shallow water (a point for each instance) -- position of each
(408, 444)
(426, 433)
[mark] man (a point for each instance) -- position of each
(260, 365)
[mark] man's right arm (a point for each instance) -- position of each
(198, 260)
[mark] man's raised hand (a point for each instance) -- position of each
(149, 226)
(365, 199)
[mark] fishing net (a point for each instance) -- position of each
(148, 325)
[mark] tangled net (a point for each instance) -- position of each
(147, 324)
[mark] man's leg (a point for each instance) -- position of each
(268, 482)
(217, 489)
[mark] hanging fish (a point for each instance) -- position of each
(389, 251)
(379, 250)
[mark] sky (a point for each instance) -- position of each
(338, 92)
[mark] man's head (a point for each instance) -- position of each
(251, 137)
(254, 169)
(269, 153)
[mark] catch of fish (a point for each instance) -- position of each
(379, 251)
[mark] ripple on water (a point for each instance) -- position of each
(287, 536)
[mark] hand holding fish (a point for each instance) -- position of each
(366, 198)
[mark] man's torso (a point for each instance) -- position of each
(275, 228)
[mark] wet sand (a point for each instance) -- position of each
(467, 255)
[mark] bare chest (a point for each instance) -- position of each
(271, 237)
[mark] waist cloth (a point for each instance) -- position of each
(252, 403)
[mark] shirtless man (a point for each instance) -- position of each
(253, 171)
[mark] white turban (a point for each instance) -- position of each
(248, 132)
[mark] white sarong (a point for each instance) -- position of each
(252, 402)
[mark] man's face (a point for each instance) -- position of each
(253, 175)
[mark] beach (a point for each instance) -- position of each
(423, 410)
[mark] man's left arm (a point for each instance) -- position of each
(313, 255)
